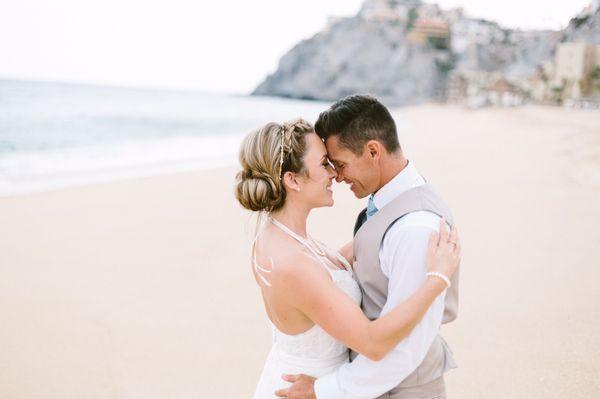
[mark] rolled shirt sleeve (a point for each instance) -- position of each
(403, 260)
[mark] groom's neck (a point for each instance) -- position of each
(391, 165)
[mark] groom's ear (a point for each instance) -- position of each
(373, 149)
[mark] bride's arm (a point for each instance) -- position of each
(305, 288)
(347, 251)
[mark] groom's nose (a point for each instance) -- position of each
(333, 173)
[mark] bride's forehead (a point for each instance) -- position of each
(315, 144)
(314, 157)
(315, 154)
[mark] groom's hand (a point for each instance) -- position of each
(303, 387)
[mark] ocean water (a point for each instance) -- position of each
(56, 135)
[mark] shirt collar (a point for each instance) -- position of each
(406, 179)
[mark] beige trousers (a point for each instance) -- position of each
(435, 389)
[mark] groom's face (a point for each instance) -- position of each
(358, 171)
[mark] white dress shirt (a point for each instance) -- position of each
(402, 257)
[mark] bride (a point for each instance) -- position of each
(308, 289)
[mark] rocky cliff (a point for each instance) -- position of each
(355, 55)
(379, 56)
(584, 28)
(516, 56)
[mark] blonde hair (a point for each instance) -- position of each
(265, 155)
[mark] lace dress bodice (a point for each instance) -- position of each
(315, 343)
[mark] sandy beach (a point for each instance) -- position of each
(142, 288)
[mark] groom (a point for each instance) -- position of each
(390, 241)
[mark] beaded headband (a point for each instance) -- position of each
(281, 152)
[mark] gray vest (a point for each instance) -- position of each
(374, 284)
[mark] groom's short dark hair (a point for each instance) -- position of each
(357, 119)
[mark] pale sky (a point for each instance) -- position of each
(218, 46)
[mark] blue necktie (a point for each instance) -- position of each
(371, 208)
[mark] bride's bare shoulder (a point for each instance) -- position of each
(294, 262)
(294, 269)
(288, 261)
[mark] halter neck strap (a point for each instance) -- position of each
(287, 230)
(303, 241)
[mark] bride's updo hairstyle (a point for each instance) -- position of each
(265, 155)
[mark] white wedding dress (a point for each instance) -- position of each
(313, 352)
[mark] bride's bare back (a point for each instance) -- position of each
(274, 252)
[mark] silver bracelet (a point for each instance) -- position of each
(440, 275)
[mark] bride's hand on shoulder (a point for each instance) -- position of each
(443, 252)
(347, 251)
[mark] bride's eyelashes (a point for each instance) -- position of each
(326, 162)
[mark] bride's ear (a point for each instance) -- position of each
(290, 182)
